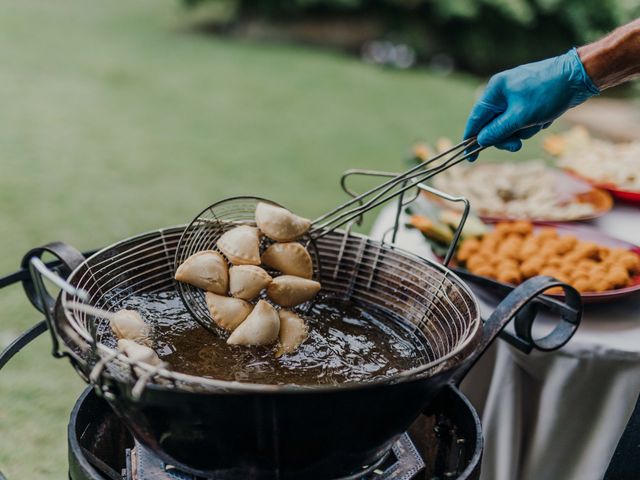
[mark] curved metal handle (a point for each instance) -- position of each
(518, 305)
(402, 202)
(34, 286)
(69, 258)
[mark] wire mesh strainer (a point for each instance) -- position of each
(207, 227)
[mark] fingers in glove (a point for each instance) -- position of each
(512, 144)
(500, 129)
(528, 132)
(481, 114)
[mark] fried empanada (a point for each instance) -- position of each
(138, 353)
(246, 281)
(241, 245)
(260, 328)
(293, 331)
(207, 270)
(280, 224)
(129, 325)
(227, 312)
(289, 291)
(289, 258)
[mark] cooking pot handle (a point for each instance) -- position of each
(519, 304)
(34, 286)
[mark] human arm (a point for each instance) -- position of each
(518, 103)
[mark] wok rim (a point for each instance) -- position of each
(235, 387)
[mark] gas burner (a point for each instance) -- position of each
(403, 463)
(444, 443)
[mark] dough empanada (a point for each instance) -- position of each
(293, 331)
(227, 312)
(289, 258)
(207, 270)
(241, 245)
(280, 224)
(129, 325)
(138, 353)
(289, 291)
(246, 281)
(260, 328)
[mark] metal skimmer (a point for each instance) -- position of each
(203, 232)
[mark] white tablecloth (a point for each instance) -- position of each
(558, 415)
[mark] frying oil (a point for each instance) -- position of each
(346, 344)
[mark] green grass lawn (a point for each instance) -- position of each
(116, 118)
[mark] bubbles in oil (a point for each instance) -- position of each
(345, 344)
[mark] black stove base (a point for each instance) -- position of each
(443, 444)
(403, 462)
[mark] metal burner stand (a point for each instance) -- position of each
(445, 443)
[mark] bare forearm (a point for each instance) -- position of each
(614, 59)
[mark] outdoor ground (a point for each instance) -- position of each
(116, 119)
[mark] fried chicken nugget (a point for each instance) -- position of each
(582, 284)
(531, 267)
(509, 250)
(546, 233)
(618, 276)
(485, 271)
(549, 248)
(554, 291)
(507, 264)
(477, 260)
(503, 229)
(630, 261)
(509, 276)
(601, 284)
(529, 248)
(467, 248)
(566, 244)
(522, 227)
(587, 250)
(555, 262)
(604, 253)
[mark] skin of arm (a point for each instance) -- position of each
(614, 59)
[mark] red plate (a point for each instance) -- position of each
(590, 234)
(626, 195)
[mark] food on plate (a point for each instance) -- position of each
(432, 229)
(207, 270)
(290, 258)
(289, 291)
(227, 312)
(599, 161)
(293, 331)
(138, 353)
(514, 251)
(473, 226)
(280, 224)
(129, 325)
(247, 281)
(522, 190)
(438, 225)
(241, 245)
(260, 328)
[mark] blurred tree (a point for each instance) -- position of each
(481, 35)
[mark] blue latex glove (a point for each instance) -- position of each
(518, 103)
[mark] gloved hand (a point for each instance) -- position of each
(517, 103)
